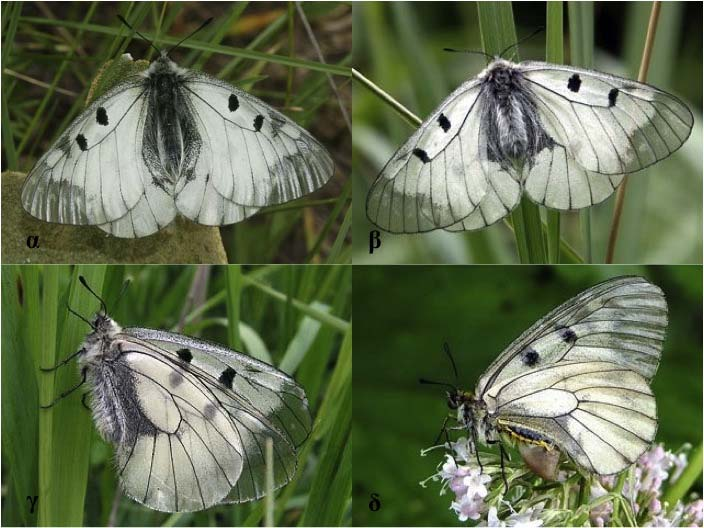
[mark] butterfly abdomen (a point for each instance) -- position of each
(114, 404)
(171, 143)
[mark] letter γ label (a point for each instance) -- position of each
(32, 502)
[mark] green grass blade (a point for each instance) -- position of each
(581, 20)
(498, 33)
(19, 402)
(554, 52)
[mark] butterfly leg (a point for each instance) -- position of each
(81, 351)
(83, 401)
(84, 372)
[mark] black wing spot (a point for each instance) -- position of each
(444, 122)
(567, 335)
(82, 143)
(613, 94)
(227, 376)
(185, 355)
(233, 103)
(421, 155)
(258, 122)
(530, 357)
(101, 116)
(574, 83)
(209, 411)
(175, 378)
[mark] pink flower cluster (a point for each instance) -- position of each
(643, 490)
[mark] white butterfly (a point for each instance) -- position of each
(564, 135)
(189, 419)
(577, 382)
(173, 141)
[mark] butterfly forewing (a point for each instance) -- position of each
(439, 176)
(612, 125)
(255, 399)
(255, 155)
(91, 174)
(622, 320)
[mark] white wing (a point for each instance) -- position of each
(204, 414)
(601, 414)
(95, 173)
(440, 175)
(603, 126)
(250, 156)
(622, 320)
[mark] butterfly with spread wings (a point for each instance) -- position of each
(564, 135)
(171, 141)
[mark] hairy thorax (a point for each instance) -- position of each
(515, 131)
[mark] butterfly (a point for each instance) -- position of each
(563, 135)
(189, 419)
(576, 383)
(171, 141)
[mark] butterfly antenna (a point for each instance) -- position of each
(539, 30)
(138, 33)
(103, 306)
(189, 36)
(123, 290)
(74, 312)
(446, 348)
(476, 52)
(441, 383)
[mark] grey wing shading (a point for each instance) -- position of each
(440, 175)
(259, 400)
(93, 174)
(250, 155)
(622, 320)
(609, 124)
(601, 414)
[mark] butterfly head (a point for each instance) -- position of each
(456, 398)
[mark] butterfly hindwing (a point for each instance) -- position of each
(601, 414)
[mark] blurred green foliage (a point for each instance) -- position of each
(404, 314)
(399, 46)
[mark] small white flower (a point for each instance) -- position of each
(467, 508)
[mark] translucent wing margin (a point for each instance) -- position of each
(622, 320)
(440, 175)
(250, 156)
(609, 124)
(214, 409)
(600, 414)
(94, 173)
